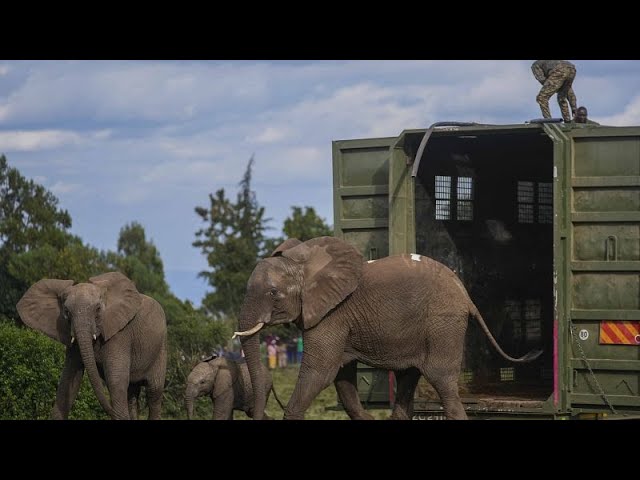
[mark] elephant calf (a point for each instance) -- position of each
(229, 385)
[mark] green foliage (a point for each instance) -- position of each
(73, 261)
(30, 366)
(141, 260)
(232, 241)
(190, 331)
(29, 220)
(29, 214)
(305, 225)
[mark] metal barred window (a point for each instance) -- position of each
(526, 319)
(535, 202)
(462, 193)
(525, 202)
(545, 202)
(443, 197)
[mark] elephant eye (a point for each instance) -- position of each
(273, 292)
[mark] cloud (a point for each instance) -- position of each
(4, 69)
(25, 141)
(284, 165)
(190, 173)
(629, 116)
(270, 135)
(88, 93)
(104, 134)
(60, 188)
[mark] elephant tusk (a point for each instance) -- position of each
(95, 337)
(248, 332)
(73, 339)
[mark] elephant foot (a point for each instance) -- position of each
(363, 416)
(399, 415)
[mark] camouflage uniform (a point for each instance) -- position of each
(556, 76)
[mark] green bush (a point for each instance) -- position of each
(30, 368)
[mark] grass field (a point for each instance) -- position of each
(284, 379)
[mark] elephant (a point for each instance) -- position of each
(121, 338)
(228, 384)
(406, 313)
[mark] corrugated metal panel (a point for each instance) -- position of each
(603, 265)
(361, 194)
(361, 217)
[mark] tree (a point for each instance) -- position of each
(232, 241)
(74, 261)
(305, 225)
(140, 260)
(29, 219)
(29, 214)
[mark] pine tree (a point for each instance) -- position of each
(305, 225)
(232, 241)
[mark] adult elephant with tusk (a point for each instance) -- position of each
(110, 329)
(406, 313)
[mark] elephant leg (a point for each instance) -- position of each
(346, 386)
(69, 384)
(311, 381)
(223, 406)
(447, 387)
(155, 387)
(154, 399)
(442, 371)
(134, 406)
(117, 378)
(321, 360)
(265, 416)
(407, 381)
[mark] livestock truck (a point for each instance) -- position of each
(541, 221)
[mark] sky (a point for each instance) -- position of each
(148, 141)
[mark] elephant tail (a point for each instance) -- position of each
(277, 399)
(528, 357)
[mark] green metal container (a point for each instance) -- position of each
(541, 221)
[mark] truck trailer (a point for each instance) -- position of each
(541, 222)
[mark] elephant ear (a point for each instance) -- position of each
(286, 245)
(121, 302)
(41, 308)
(332, 271)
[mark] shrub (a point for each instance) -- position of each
(30, 369)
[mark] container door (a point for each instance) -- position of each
(361, 217)
(601, 268)
(361, 194)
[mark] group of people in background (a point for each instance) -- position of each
(556, 77)
(276, 353)
(280, 353)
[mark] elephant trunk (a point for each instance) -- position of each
(189, 397)
(85, 343)
(251, 347)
